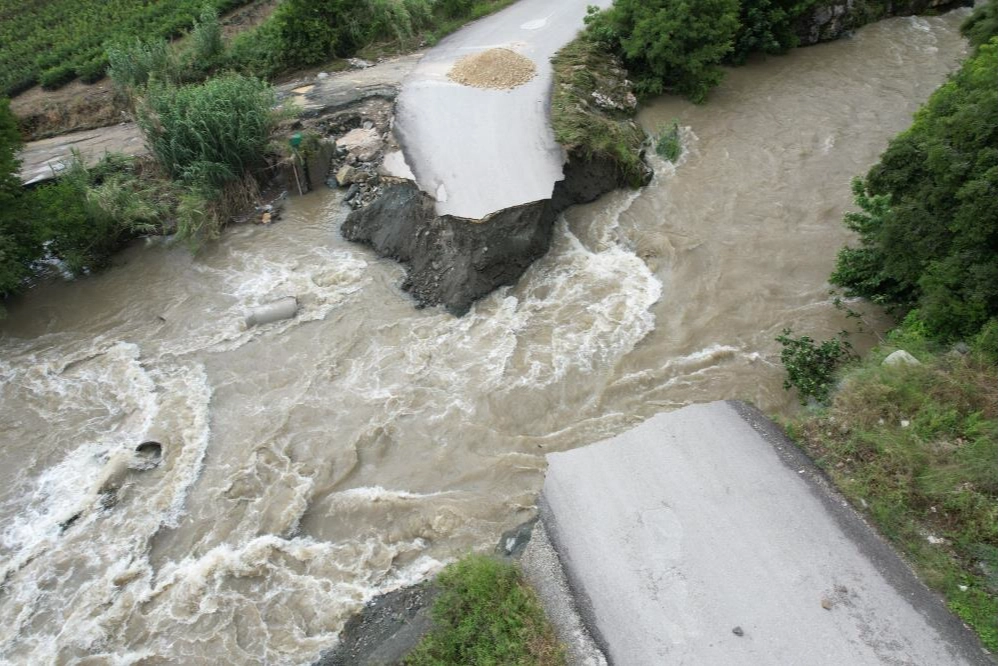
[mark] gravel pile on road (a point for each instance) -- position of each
(501, 69)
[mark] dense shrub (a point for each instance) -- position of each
(980, 27)
(56, 77)
(93, 70)
(668, 143)
(767, 26)
(209, 133)
(810, 367)
(132, 64)
(19, 244)
(309, 32)
(205, 49)
(668, 45)
(257, 51)
(927, 223)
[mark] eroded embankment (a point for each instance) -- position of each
(453, 261)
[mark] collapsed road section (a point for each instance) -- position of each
(704, 536)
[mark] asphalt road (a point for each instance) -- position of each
(479, 151)
(703, 536)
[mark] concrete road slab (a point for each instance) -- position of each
(703, 536)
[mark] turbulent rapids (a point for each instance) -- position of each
(310, 463)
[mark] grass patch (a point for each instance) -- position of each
(584, 74)
(914, 447)
(486, 615)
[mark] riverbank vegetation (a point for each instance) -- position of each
(927, 219)
(680, 47)
(487, 615)
(591, 108)
(914, 448)
(209, 142)
(913, 444)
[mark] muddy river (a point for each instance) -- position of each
(310, 464)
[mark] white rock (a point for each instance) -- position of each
(900, 357)
(362, 143)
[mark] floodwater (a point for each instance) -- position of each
(310, 464)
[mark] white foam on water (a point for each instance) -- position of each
(68, 546)
(322, 279)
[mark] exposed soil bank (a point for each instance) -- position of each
(454, 261)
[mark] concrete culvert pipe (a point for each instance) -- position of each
(283, 308)
(149, 450)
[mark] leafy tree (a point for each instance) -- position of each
(980, 27)
(766, 26)
(928, 222)
(19, 242)
(668, 44)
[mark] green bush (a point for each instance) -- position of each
(810, 367)
(980, 27)
(211, 133)
(20, 244)
(93, 70)
(206, 49)
(767, 26)
(487, 616)
(455, 8)
(668, 144)
(927, 224)
(132, 65)
(57, 77)
(257, 52)
(668, 45)
(86, 214)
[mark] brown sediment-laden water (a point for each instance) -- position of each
(308, 464)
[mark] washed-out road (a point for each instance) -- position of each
(703, 536)
(482, 150)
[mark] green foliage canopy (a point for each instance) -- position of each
(670, 45)
(927, 224)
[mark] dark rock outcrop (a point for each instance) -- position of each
(833, 19)
(454, 261)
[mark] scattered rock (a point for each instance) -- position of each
(358, 63)
(738, 631)
(900, 357)
(351, 192)
(364, 144)
(347, 175)
(827, 604)
(513, 542)
(386, 630)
